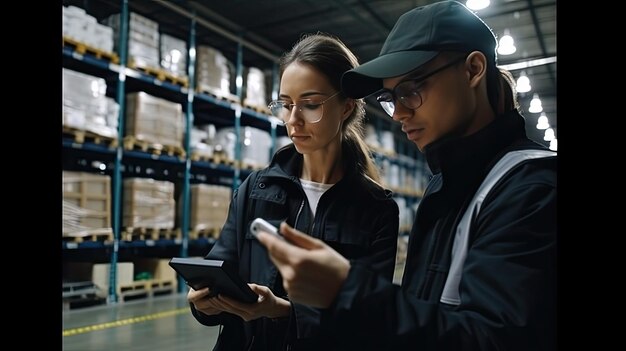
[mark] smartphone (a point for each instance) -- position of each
(260, 224)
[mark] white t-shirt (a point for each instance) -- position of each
(313, 192)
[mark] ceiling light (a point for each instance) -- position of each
(506, 45)
(553, 144)
(549, 134)
(523, 83)
(477, 4)
(542, 122)
(535, 104)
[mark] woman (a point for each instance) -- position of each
(324, 184)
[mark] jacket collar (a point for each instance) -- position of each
(287, 163)
(462, 159)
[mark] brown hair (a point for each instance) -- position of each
(331, 57)
(501, 90)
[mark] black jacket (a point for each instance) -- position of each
(356, 217)
(508, 283)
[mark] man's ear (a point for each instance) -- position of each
(476, 64)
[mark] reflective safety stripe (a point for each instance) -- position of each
(450, 294)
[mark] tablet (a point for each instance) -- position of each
(218, 275)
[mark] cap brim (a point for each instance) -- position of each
(367, 78)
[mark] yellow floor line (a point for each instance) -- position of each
(149, 317)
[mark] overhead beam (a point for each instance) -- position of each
(234, 37)
(542, 43)
(529, 63)
(230, 25)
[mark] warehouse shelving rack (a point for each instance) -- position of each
(118, 162)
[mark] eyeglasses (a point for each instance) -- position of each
(408, 91)
(310, 110)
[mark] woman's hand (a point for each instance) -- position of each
(267, 305)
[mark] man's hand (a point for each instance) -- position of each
(312, 271)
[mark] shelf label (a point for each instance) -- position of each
(77, 55)
(72, 245)
(149, 242)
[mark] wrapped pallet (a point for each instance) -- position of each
(255, 145)
(154, 120)
(173, 55)
(148, 203)
(84, 28)
(208, 206)
(212, 71)
(85, 106)
(255, 88)
(86, 204)
(143, 39)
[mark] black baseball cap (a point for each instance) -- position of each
(418, 36)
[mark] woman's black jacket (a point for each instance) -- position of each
(356, 217)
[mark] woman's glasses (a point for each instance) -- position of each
(311, 110)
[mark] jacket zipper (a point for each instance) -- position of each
(251, 343)
(295, 225)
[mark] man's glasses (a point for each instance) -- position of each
(310, 110)
(408, 91)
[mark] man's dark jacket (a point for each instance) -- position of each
(356, 217)
(508, 282)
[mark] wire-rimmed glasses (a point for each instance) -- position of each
(311, 110)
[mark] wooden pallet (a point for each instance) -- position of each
(83, 48)
(104, 235)
(87, 300)
(135, 290)
(260, 109)
(218, 159)
(205, 233)
(145, 288)
(217, 94)
(226, 161)
(160, 74)
(202, 157)
(82, 294)
(142, 233)
(81, 136)
(249, 166)
(132, 143)
(160, 287)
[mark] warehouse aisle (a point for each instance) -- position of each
(160, 323)
(152, 324)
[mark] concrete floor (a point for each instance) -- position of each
(159, 323)
(150, 324)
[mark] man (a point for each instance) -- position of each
(480, 272)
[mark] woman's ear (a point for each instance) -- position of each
(349, 106)
(476, 64)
